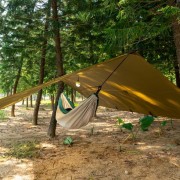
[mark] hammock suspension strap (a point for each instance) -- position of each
(100, 87)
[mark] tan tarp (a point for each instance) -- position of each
(79, 116)
(135, 86)
(10, 100)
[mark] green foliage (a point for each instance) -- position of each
(68, 141)
(27, 149)
(145, 122)
(146, 27)
(120, 121)
(128, 126)
(2, 114)
(88, 30)
(161, 127)
(163, 123)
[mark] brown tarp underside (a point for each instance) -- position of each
(135, 86)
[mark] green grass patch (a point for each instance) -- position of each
(26, 149)
(45, 102)
(2, 115)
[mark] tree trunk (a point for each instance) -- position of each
(41, 75)
(59, 64)
(31, 101)
(72, 95)
(176, 35)
(177, 73)
(53, 122)
(23, 102)
(27, 102)
(15, 89)
(52, 102)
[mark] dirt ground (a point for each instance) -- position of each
(100, 150)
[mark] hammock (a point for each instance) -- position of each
(64, 104)
(79, 116)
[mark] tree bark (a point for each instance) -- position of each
(31, 101)
(53, 122)
(59, 64)
(176, 35)
(41, 75)
(27, 102)
(52, 102)
(177, 73)
(72, 95)
(15, 89)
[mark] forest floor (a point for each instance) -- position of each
(100, 150)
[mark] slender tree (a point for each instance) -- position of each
(176, 35)
(42, 65)
(15, 87)
(59, 64)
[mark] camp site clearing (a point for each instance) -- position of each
(100, 150)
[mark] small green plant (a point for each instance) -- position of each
(172, 124)
(161, 127)
(130, 127)
(163, 123)
(119, 121)
(92, 131)
(68, 141)
(26, 149)
(144, 124)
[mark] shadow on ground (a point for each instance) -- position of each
(100, 150)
